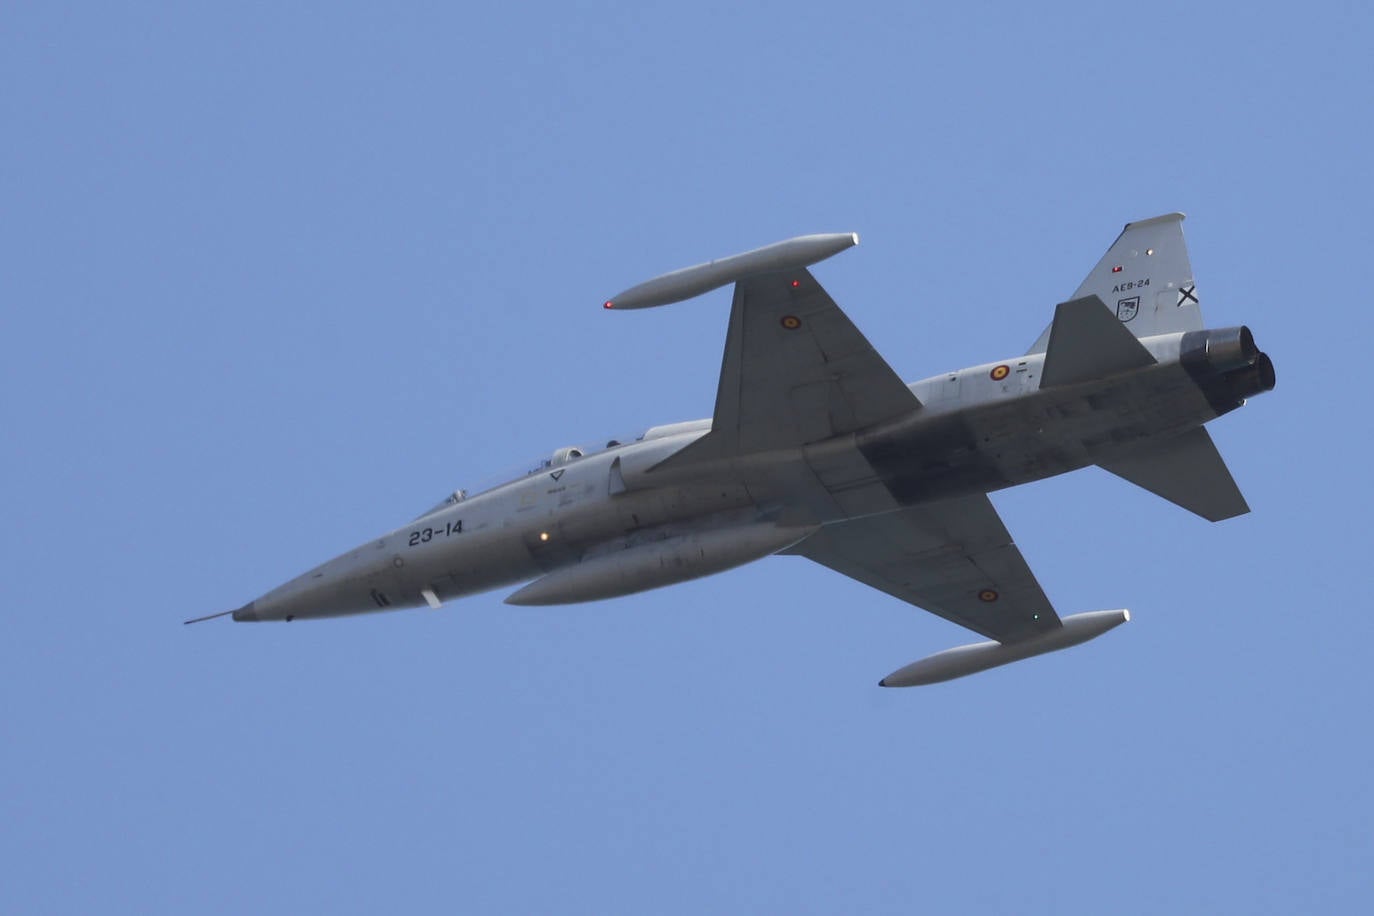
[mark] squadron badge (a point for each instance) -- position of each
(1126, 309)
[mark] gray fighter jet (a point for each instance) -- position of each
(817, 449)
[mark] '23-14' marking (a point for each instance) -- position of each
(425, 535)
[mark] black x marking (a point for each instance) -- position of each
(1186, 295)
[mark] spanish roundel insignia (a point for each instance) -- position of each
(791, 322)
(1000, 373)
(987, 595)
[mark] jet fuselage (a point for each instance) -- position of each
(615, 522)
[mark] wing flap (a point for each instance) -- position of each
(795, 370)
(953, 558)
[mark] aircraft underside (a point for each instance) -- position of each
(817, 449)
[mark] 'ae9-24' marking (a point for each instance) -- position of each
(425, 535)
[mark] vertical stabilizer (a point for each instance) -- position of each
(1145, 279)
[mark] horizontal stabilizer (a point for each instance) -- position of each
(1088, 342)
(1188, 471)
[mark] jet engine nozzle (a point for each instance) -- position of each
(1226, 365)
(1253, 379)
(1226, 349)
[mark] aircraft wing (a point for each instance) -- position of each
(953, 558)
(795, 371)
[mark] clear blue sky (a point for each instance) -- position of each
(276, 277)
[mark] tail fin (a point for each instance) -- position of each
(1145, 278)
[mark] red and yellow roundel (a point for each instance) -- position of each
(1000, 372)
(988, 595)
(791, 322)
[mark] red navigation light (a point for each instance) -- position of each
(1116, 269)
(609, 305)
(796, 283)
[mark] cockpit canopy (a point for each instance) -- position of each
(452, 499)
(564, 455)
(571, 453)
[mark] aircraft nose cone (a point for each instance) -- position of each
(247, 613)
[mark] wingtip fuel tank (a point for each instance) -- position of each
(970, 659)
(791, 254)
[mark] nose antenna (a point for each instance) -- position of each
(208, 617)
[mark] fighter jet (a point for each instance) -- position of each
(818, 449)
